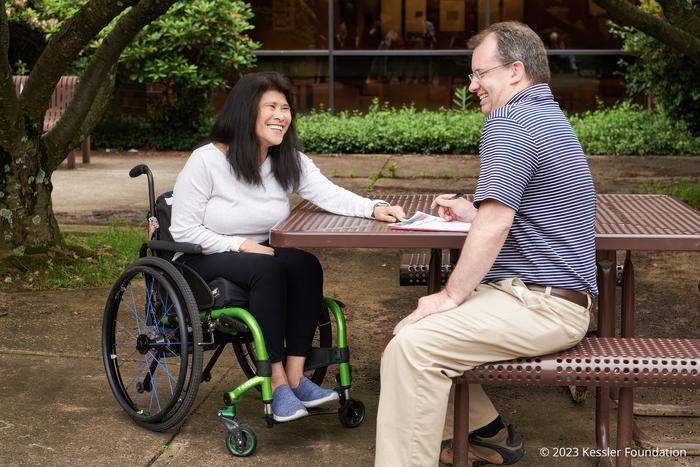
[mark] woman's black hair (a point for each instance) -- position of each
(235, 127)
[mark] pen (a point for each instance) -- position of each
(457, 196)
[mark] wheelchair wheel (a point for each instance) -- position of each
(246, 356)
(242, 441)
(150, 332)
(351, 413)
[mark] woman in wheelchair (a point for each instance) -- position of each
(228, 196)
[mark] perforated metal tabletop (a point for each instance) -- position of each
(624, 222)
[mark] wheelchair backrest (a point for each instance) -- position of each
(227, 293)
(164, 209)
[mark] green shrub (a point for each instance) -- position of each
(626, 129)
(126, 132)
(392, 131)
(629, 130)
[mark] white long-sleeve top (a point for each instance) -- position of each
(213, 208)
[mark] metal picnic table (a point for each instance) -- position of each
(624, 222)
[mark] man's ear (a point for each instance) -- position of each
(517, 70)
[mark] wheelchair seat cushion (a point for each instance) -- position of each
(229, 294)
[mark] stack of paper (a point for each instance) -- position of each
(423, 221)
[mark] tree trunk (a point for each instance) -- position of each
(27, 221)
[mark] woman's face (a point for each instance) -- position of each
(274, 118)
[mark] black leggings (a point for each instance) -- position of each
(285, 293)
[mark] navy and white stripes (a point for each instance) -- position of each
(532, 161)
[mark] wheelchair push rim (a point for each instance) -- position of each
(150, 351)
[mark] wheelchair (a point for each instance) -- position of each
(160, 318)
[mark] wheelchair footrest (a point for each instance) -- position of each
(324, 356)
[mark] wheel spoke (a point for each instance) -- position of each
(149, 304)
(125, 359)
(136, 375)
(164, 364)
(154, 390)
(134, 310)
(167, 308)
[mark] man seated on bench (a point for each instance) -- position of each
(526, 277)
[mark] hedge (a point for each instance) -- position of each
(623, 130)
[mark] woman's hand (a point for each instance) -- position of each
(389, 213)
(249, 246)
(452, 209)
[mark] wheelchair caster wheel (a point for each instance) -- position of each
(241, 442)
(351, 413)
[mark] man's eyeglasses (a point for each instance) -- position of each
(477, 75)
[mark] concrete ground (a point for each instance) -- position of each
(56, 408)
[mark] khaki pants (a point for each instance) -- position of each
(500, 321)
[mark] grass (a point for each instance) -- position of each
(683, 188)
(90, 260)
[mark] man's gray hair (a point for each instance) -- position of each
(517, 42)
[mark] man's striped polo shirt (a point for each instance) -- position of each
(532, 161)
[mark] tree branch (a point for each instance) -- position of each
(627, 14)
(62, 50)
(682, 15)
(59, 138)
(9, 108)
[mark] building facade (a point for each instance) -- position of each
(342, 54)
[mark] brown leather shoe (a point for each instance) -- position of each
(504, 448)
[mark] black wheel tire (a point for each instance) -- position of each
(248, 443)
(246, 356)
(351, 413)
(173, 389)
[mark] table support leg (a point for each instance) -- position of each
(627, 322)
(628, 297)
(606, 328)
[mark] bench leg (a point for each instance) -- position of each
(602, 422)
(85, 148)
(435, 271)
(624, 427)
(460, 438)
(70, 160)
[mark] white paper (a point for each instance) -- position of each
(423, 221)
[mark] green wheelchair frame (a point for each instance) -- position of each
(153, 329)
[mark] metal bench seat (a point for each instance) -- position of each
(415, 267)
(601, 361)
(595, 361)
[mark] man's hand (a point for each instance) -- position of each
(452, 209)
(435, 303)
(389, 213)
(249, 246)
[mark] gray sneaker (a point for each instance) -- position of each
(312, 395)
(285, 406)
